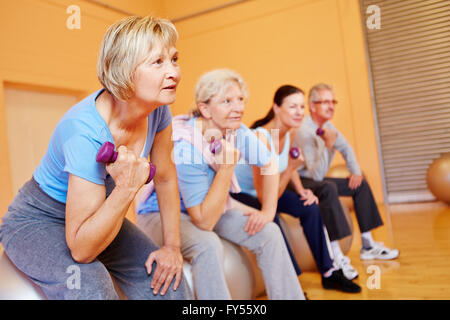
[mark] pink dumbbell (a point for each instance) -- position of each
(320, 131)
(294, 153)
(106, 154)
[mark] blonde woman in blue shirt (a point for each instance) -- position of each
(71, 214)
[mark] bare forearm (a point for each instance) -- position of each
(169, 205)
(269, 199)
(296, 182)
(214, 203)
(285, 177)
(99, 230)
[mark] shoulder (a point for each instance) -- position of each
(83, 117)
(73, 129)
(330, 125)
(254, 133)
(291, 136)
(305, 131)
(160, 118)
(162, 111)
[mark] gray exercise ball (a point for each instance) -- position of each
(238, 269)
(14, 284)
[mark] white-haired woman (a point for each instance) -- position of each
(205, 179)
(71, 214)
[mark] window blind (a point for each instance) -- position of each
(409, 62)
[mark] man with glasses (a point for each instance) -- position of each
(319, 139)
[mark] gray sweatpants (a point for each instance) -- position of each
(33, 236)
(205, 252)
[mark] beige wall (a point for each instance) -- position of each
(269, 42)
(176, 9)
(136, 7)
(300, 42)
(28, 134)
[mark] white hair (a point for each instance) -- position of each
(215, 83)
(314, 91)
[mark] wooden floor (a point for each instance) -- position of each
(422, 234)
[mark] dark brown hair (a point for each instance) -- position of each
(281, 93)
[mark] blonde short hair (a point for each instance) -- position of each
(215, 83)
(126, 44)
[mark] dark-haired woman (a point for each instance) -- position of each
(275, 130)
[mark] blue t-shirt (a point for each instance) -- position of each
(75, 142)
(244, 172)
(195, 176)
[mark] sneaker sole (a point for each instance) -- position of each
(352, 278)
(339, 289)
(378, 258)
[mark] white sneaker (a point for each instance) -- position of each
(378, 251)
(343, 263)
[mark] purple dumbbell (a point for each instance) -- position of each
(215, 146)
(106, 154)
(320, 131)
(294, 153)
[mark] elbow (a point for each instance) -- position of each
(80, 256)
(203, 225)
(204, 217)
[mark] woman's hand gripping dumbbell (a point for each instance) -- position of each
(295, 158)
(106, 154)
(232, 155)
(215, 146)
(294, 153)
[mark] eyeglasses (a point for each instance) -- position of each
(326, 102)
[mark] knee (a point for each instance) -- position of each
(364, 185)
(329, 190)
(312, 212)
(209, 244)
(89, 281)
(271, 232)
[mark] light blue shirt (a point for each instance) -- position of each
(244, 172)
(195, 176)
(75, 142)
